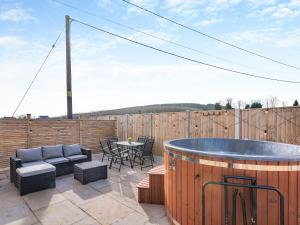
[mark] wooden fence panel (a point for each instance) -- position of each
(13, 135)
(167, 126)
(276, 124)
(22, 133)
(214, 124)
(48, 132)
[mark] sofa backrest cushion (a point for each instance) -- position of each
(30, 154)
(70, 150)
(50, 152)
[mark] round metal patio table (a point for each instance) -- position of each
(130, 146)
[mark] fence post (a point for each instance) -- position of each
(150, 124)
(237, 123)
(126, 130)
(29, 131)
(187, 124)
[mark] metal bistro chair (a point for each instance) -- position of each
(118, 156)
(142, 139)
(145, 154)
(105, 149)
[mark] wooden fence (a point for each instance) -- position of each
(276, 124)
(26, 133)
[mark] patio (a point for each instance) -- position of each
(111, 201)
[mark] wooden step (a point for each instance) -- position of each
(144, 191)
(158, 170)
(151, 189)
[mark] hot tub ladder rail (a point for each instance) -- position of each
(243, 202)
(252, 186)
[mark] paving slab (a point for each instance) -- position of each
(106, 210)
(62, 213)
(80, 194)
(87, 221)
(101, 184)
(16, 214)
(132, 219)
(43, 198)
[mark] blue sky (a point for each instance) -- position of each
(111, 73)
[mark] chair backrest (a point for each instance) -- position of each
(113, 139)
(148, 147)
(104, 147)
(142, 139)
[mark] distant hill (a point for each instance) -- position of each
(175, 107)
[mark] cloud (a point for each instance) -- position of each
(209, 22)
(11, 41)
(218, 5)
(281, 11)
(273, 36)
(16, 14)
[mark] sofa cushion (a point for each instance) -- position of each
(33, 163)
(37, 169)
(30, 154)
(55, 161)
(70, 150)
(50, 152)
(76, 157)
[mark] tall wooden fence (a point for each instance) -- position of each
(276, 124)
(26, 133)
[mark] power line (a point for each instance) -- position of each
(37, 73)
(186, 58)
(212, 37)
(147, 34)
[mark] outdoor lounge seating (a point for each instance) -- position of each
(36, 168)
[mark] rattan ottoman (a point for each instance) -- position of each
(90, 171)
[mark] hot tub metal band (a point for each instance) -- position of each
(240, 166)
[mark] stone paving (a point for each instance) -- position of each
(112, 201)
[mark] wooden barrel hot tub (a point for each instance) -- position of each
(251, 175)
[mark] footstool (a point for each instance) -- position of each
(90, 171)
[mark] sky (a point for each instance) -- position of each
(109, 73)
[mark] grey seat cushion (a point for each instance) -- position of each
(70, 150)
(50, 152)
(33, 163)
(30, 154)
(37, 169)
(55, 161)
(76, 157)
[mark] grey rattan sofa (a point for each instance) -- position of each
(36, 168)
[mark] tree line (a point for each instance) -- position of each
(271, 102)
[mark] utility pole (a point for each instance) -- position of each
(68, 68)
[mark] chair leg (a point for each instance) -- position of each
(120, 164)
(111, 161)
(103, 156)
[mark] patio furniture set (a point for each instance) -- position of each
(118, 152)
(35, 169)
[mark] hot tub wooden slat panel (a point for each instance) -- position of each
(273, 198)
(239, 217)
(293, 197)
(173, 197)
(216, 196)
(282, 184)
(262, 196)
(249, 173)
(191, 194)
(184, 184)
(207, 171)
(178, 191)
(298, 196)
(198, 194)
